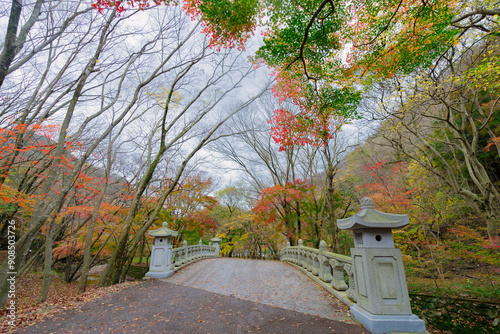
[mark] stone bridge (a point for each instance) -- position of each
(371, 282)
(308, 291)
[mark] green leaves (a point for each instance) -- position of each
(301, 32)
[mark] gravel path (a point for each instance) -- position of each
(268, 282)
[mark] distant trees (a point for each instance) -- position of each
(289, 188)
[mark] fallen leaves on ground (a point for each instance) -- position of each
(62, 296)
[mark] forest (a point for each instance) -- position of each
(260, 122)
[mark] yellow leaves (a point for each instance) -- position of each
(485, 75)
(163, 95)
(396, 128)
(454, 4)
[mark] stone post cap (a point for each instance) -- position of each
(164, 231)
(184, 243)
(368, 217)
(200, 242)
(301, 243)
(366, 203)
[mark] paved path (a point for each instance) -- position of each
(268, 282)
(212, 296)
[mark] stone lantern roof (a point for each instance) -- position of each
(216, 239)
(164, 231)
(368, 217)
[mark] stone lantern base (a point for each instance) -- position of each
(159, 274)
(386, 324)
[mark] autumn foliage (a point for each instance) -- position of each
(227, 23)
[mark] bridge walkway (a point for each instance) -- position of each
(272, 283)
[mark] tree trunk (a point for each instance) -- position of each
(330, 196)
(491, 220)
(88, 242)
(141, 249)
(47, 266)
(9, 46)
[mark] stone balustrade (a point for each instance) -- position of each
(187, 254)
(376, 289)
(165, 259)
(329, 267)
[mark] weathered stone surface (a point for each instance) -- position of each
(368, 217)
(383, 303)
(381, 281)
(161, 254)
(382, 324)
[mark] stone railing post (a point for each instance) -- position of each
(324, 265)
(216, 242)
(315, 265)
(186, 252)
(383, 303)
(300, 257)
(291, 252)
(161, 254)
(338, 281)
(177, 258)
(351, 291)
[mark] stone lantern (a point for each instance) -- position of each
(216, 241)
(161, 254)
(383, 304)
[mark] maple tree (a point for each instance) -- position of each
(244, 233)
(318, 125)
(188, 210)
(267, 165)
(231, 215)
(384, 184)
(319, 49)
(282, 205)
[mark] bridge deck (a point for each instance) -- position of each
(268, 282)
